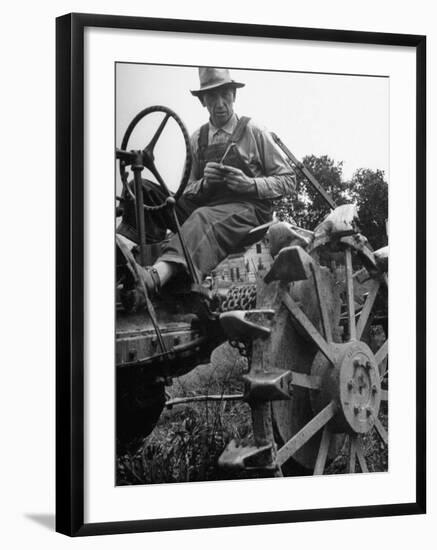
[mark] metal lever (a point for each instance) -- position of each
(300, 166)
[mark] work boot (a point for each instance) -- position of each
(144, 280)
(136, 280)
(150, 278)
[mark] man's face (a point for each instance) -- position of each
(220, 104)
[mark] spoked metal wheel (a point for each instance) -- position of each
(313, 389)
(345, 379)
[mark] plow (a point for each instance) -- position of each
(313, 330)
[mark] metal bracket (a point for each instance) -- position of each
(267, 386)
(291, 264)
(361, 245)
(236, 457)
(247, 325)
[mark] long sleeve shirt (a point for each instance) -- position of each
(273, 176)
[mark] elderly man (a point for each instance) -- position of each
(237, 172)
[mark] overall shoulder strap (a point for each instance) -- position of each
(240, 129)
(203, 144)
(235, 138)
(203, 137)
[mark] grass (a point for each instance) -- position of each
(189, 439)
(375, 452)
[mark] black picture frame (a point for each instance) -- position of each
(70, 489)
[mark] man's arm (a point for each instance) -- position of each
(279, 179)
(273, 176)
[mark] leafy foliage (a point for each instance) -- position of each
(307, 208)
(186, 446)
(370, 192)
(367, 189)
(189, 439)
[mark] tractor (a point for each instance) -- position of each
(317, 375)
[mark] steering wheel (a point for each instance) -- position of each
(148, 152)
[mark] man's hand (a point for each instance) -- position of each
(237, 181)
(213, 175)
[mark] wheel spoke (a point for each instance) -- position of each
(350, 294)
(382, 353)
(352, 453)
(381, 431)
(323, 452)
(367, 308)
(306, 325)
(306, 433)
(158, 132)
(157, 175)
(361, 245)
(360, 455)
(305, 380)
(326, 323)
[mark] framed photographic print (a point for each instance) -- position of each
(233, 203)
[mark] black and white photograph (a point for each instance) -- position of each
(215, 215)
(251, 239)
(233, 203)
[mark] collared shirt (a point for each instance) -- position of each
(273, 176)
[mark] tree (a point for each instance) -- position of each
(307, 208)
(369, 191)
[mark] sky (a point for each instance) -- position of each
(343, 116)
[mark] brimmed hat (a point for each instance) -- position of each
(211, 78)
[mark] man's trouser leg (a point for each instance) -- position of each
(211, 233)
(156, 221)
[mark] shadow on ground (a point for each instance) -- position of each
(46, 520)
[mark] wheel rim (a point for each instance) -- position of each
(148, 151)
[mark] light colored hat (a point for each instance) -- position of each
(213, 78)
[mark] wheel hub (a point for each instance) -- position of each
(353, 383)
(359, 387)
